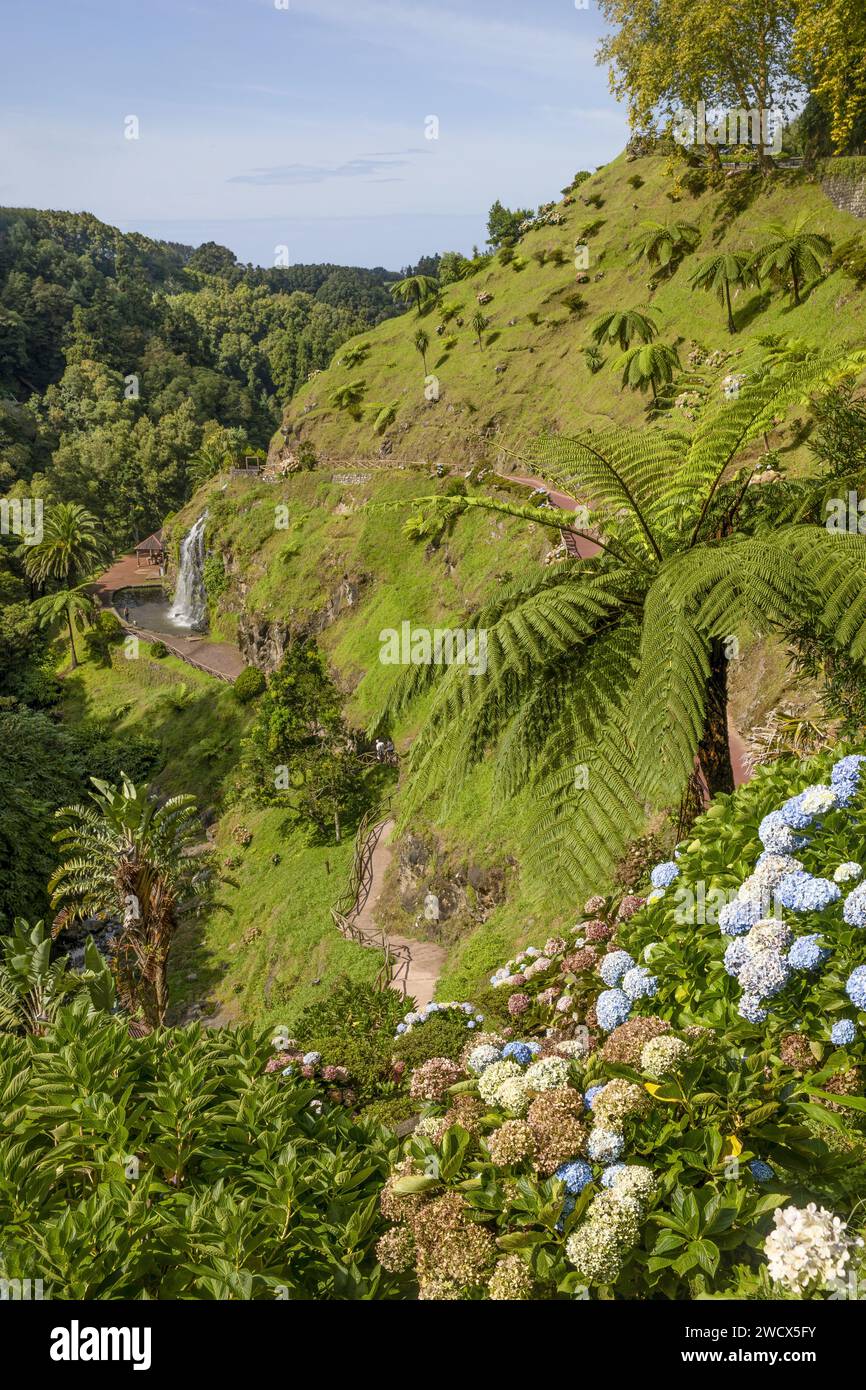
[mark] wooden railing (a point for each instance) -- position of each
(148, 636)
(348, 907)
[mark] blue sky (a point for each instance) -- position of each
(261, 126)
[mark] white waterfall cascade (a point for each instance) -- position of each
(190, 601)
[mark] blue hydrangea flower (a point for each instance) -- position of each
(736, 918)
(792, 814)
(287, 1071)
(612, 1008)
(847, 769)
(764, 974)
(664, 874)
(778, 837)
(736, 955)
(760, 1171)
(846, 789)
(854, 907)
(519, 1052)
(605, 1145)
(807, 953)
(609, 1174)
(638, 983)
(575, 1175)
(751, 1009)
(802, 893)
(589, 1097)
(843, 1032)
(568, 1206)
(855, 986)
(614, 965)
(312, 1059)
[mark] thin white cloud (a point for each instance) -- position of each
(491, 42)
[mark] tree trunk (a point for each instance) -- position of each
(337, 825)
(72, 639)
(160, 993)
(796, 284)
(732, 328)
(714, 754)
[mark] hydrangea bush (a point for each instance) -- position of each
(675, 1108)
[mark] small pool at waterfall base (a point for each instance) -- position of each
(150, 608)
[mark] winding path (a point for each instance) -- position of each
(417, 965)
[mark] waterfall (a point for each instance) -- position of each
(190, 601)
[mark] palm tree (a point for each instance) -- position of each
(792, 254)
(479, 323)
(129, 856)
(621, 325)
(651, 365)
(422, 342)
(69, 547)
(33, 987)
(665, 245)
(720, 272)
(416, 289)
(77, 606)
(616, 665)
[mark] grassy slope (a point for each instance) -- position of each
(289, 574)
(269, 978)
(546, 384)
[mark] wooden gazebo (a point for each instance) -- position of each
(150, 552)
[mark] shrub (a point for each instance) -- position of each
(575, 303)
(352, 1008)
(389, 1111)
(443, 1035)
(307, 458)
(158, 650)
(106, 632)
(635, 180)
(366, 1058)
(249, 684)
(216, 581)
(224, 1156)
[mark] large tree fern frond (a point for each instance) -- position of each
(588, 811)
(723, 433)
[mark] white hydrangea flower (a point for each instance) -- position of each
(770, 934)
(818, 800)
(547, 1074)
(847, 872)
(492, 1078)
(809, 1246)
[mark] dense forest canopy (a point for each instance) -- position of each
(120, 356)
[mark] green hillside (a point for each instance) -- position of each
(530, 375)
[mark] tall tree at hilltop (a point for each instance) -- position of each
(830, 51)
(605, 683)
(666, 55)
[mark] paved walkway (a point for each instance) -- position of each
(124, 574)
(220, 659)
(425, 958)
